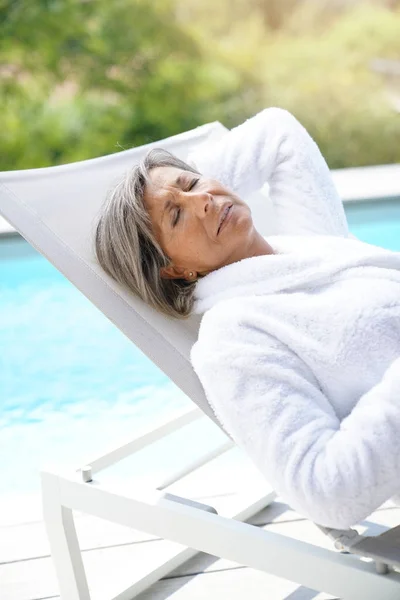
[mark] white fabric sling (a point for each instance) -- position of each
(55, 210)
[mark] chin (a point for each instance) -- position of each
(245, 219)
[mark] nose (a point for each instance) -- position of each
(200, 203)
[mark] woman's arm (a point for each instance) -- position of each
(334, 473)
(273, 147)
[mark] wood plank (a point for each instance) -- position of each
(29, 541)
(280, 512)
(235, 584)
(277, 512)
(109, 571)
(238, 584)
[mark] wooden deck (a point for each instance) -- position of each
(115, 555)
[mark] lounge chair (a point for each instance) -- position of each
(54, 209)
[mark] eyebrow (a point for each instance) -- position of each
(179, 179)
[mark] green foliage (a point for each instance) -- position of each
(326, 80)
(82, 78)
(318, 66)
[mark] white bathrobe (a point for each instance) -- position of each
(299, 352)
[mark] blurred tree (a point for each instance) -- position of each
(334, 91)
(317, 64)
(88, 77)
(81, 78)
(275, 12)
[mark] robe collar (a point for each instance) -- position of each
(298, 263)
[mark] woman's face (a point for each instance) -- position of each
(200, 225)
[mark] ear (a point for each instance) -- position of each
(172, 272)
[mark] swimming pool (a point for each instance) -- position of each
(376, 222)
(71, 383)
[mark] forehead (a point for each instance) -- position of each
(160, 181)
(161, 177)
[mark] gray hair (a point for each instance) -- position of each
(125, 244)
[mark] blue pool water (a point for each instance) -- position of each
(376, 222)
(70, 383)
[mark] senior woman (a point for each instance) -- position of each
(299, 343)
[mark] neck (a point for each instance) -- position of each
(257, 247)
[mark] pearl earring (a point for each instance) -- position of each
(191, 274)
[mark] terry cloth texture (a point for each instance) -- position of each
(299, 352)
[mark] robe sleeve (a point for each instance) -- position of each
(335, 473)
(274, 148)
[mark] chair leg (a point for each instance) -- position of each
(65, 550)
(383, 549)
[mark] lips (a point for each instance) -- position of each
(224, 213)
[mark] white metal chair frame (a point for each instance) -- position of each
(198, 527)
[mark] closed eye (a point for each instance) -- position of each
(193, 183)
(177, 213)
(176, 217)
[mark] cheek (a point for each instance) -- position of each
(194, 245)
(185, 247)
(192, 248)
